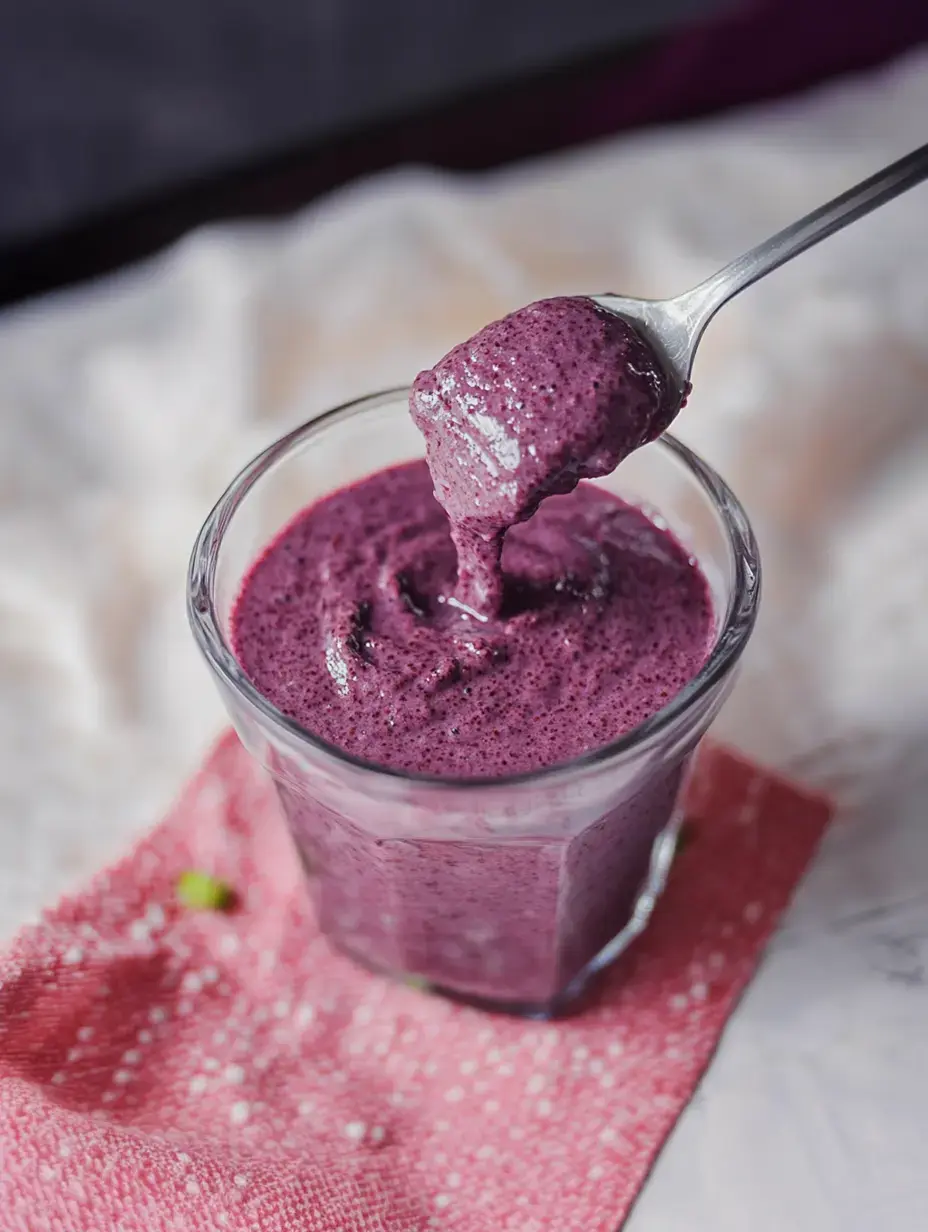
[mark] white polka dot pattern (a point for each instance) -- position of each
(174, 1071)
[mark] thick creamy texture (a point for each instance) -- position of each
(559, 391)
(345, 625)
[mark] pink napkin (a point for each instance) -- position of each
(162, 1068)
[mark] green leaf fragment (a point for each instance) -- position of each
(416, 981)
(201, 892)
(685, 837)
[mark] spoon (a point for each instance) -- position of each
(675, 326)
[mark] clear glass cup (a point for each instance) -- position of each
(508, 892)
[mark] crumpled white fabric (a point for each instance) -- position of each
(126, 407)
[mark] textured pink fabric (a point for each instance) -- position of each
(168, 1069)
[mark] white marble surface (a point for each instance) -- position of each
(124, 409)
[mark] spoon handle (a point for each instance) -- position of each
(700, 304)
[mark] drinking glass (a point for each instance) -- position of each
(509, 892)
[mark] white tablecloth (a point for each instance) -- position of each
(126, 407)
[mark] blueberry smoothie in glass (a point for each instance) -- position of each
(468, 673)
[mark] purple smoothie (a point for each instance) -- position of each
(560, 391)
(345, 625)
(428, 639)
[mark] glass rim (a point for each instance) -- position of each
(730, 642)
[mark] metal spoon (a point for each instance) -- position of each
(675, 326)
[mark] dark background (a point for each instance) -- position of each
(123, 124)
(101, 99)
